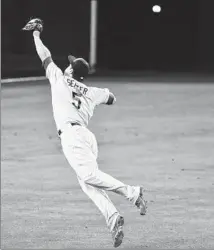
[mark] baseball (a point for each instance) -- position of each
(156, 8)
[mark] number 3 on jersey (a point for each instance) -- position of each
(76, 100)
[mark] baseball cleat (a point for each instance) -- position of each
(117, 232)
(141, 203)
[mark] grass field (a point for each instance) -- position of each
(158, 135)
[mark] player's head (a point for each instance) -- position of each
(78, 68)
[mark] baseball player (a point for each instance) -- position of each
(73, 106)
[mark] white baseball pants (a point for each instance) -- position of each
(80, 149)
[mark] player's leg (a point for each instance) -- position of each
(81, 153)
(132, 193)
(106, 182)
(99, 179)
(86, 168)
(85, 165)
(103, 202)
(102, 180)
(82, 160)
(113, 219)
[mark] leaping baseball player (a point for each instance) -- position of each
(73, 106)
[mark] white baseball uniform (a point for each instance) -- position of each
(74, 102)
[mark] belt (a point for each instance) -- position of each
(72, 124)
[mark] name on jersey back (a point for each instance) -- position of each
(74, 84)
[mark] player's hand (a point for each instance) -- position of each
(34, 24)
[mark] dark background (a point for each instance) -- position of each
(130, 36)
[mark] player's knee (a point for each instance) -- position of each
(90, 178)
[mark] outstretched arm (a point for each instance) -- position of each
(44, 54)
(36, 26)
(52, 71)
(42, 51)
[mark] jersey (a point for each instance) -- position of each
(73, 101)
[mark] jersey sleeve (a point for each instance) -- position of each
(100, 95)
(53, 72)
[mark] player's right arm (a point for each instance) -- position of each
(103, 96)
(111, 99)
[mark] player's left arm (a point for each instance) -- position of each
(52, 71)
(45, 56)
(42, 51)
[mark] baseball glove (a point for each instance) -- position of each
(34, 24)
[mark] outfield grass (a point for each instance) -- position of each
(158, 135)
